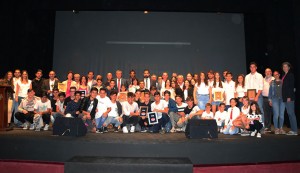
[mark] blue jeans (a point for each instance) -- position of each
(100, 121)
(229, 131)
(260, 103)
(290, 108)
(278, 111)
(112, 120)
(202, 100)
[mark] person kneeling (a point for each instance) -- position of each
(233, 113)
(220, 117)
(255, 120)
(42, 110)
(130, 113)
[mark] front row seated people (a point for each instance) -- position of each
(130, 113)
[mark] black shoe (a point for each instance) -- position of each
(100, 130)
(116, 129)
(105, 130)
(162, 131)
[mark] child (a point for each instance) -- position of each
(42, 109)
(242, 121)
(232, 113)
(220, 117)
(254, 116)
(207, 114)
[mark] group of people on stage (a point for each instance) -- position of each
(243, 106)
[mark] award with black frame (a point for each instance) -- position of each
(82, 93)
(152, 118)
(143, 110)
(251, 93)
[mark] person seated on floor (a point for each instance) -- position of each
(220, 117)
(25, 112)
(255, 118)
(72, 109)
(172, 108)
(162, 109)
(60, 109)
(207, 114)
(88, 109)
(232, 113)
(115, 115)
(175, 116)
(242, 121)
(130, 113)
(143, 120)
(103, 107)
(42, 110)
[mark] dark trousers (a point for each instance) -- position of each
(268, 112)
(142, 122)
(255, 126)
(46, 118)
(130, 120)
(25, 117)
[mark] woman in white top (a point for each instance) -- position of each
(217, 87)
(22, 87)
(242, 120)
(134, 85)
(169, 88)
(202, 92)
(240, 90)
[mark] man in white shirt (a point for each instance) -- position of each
(210, 76)
(255, 80)
(103, 107)
(164, 78)
(229, 89)
(161, 108)
(175, 116)
(130, 113)
(16, 78)
(266, 105)
(114, 116)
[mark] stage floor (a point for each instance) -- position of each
(43, 146)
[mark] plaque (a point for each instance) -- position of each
(143, 110)
(152, 118)
(218, 96)
(62, 87)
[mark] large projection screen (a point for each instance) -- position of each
(104, 41)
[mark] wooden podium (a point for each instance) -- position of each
(4, 89)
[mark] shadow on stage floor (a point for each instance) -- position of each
(43, 146)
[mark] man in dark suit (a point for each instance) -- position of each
(50, 84)
(120, 81)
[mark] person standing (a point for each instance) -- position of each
(50, 84)
(255, 80)
(288, 96)
(37, 83)
(266, 106)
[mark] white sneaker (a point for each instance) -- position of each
(292, 133)
(221, 130)
(25, 126)
(46, 127)
(132, 129)
(32, 127)
(173, 130)
(125, 130)
(253, 133)
(258, 135)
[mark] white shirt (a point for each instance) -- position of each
(160, 106)
(51, 84)
(244, 110)
(236, 112)
(211, 83)
(172, 96)
(267, 81)
(133, 88)
(114, 110)
(206, 115)
(240, 91)
(102, 106)
(42, 107)
(147, 83)
(222, 116)
(229, 89)
(202, 89)
(181, 107)
(128, 108)
(23, 89)
(254, 116)
(60, 106)
(254, 81)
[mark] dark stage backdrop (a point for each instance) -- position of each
(105, 41)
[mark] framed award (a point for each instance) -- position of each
(152, 118)
(122, 96)
(82, 93)
(218, 96)
(143, 110)
(62, 87)
(251, 93)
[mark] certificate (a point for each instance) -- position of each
(122, 96)
(251, 93)
(62, 87)
(82, 93)
(152, 118)
(218, 96)
(143, 110)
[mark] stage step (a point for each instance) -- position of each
(93, 164)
